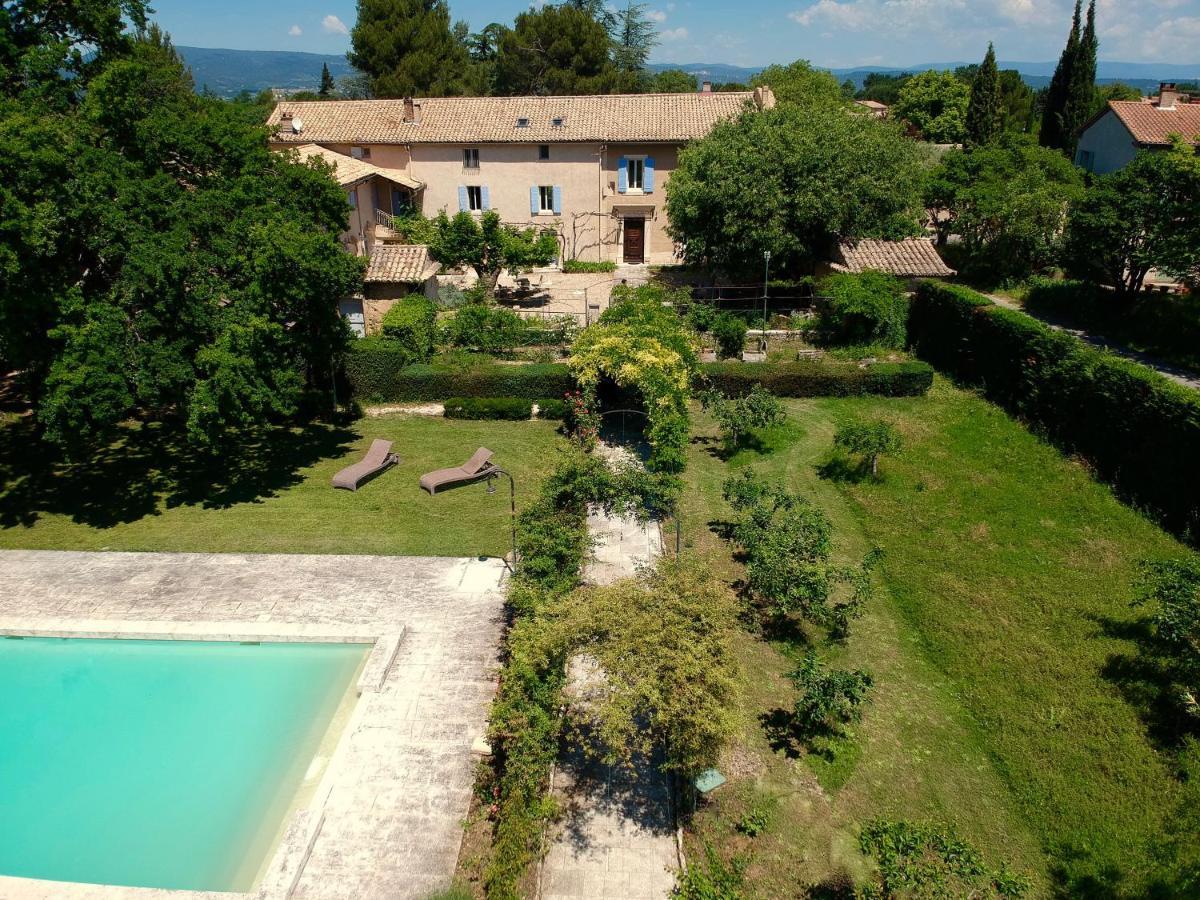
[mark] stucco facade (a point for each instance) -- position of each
(1106, 145)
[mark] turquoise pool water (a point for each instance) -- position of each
(157, 763)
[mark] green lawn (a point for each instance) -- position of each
(997, 640)
(147, 493)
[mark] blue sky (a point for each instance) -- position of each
(828, 32)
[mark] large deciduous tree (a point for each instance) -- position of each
(406, 48)
(983, 112)
(554, 50)
(799, 84)
(489, 246)
(156, 258)
(792, 181)
(935, 103)
(1007, 201)
(1142, 217)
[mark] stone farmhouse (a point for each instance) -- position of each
(1114, 136)
(594, 168)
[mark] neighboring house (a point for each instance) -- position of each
(1114, 136)
(909, 258)
(874, 107)
(592, 167)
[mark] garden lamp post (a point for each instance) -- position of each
(766, 291)
(512, 507)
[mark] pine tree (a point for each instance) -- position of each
(406, 48)
(1056, 96)
(327, 86)
(983, 113)
(634, 39)
(1081, 89)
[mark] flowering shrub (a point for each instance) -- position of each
(583, 419)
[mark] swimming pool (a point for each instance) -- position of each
(159, 763)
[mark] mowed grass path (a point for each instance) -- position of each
(1003, 602)
(145, 492)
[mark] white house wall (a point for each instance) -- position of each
(1110, 142)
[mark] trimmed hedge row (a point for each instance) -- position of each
(1139, 431)
(820, 378)
(379, 370)
(512, 408)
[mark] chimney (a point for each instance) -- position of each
(285, 120)
(412, 111)
(706, 87)
(764, 97)
(1167, 95)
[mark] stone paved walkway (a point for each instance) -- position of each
(616, 840)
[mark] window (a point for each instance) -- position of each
(352, 196)
(546, 198)
(1087, 159)
(522, 122)
(557, 122)
(543, 151)
(360, 152)
(637, 174)
(471, 158)
(474, 198)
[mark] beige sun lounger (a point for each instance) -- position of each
(378, 458)
(473, 469)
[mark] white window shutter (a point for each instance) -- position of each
(558, 200)
(463, 205)
(622, 175)
(486, 200)
(648, 176)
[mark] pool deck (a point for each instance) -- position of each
(386, 820)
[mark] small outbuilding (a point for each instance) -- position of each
(393, 271)
(906, 258)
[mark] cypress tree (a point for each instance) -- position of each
(1056, 96)
(327, 87)
(983, 113)
(1082, 87)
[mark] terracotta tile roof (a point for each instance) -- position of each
(460, 120)
(400, 264)
(908, 258)
(1150, 125)
(348, 170)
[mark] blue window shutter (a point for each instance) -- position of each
(648, 176)
(557, 200)
(462, 198)
(535, 205)
(483, 195)
(622, 175)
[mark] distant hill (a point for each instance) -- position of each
(228, 72)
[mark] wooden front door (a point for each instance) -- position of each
(635, 240)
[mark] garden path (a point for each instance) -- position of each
(616, 839)
(1178, 374)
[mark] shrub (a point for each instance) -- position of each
(739, 416)
(702, 316)
(380, 370)
(870, 439)
(410, 323)
(933, 861)
(584, 266)
(450, 297)
(511, 408)
(1138, 430)
(1172, 588)
(730, 332)
(869, 308)
(550, 408)
(820, 378)
(713, 879)
(488, 329)
(828, 697)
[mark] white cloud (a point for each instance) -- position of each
(656, 15)
(674, 34)
(334, 25)
(295, 31)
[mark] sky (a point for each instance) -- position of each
(833, 33)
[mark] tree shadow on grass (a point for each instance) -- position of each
(845, 470)
(150, 466)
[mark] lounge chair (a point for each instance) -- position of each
(472, 470)
(378, 458)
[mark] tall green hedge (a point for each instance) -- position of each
(820, 378)
(410, 322)
(1138, 430)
